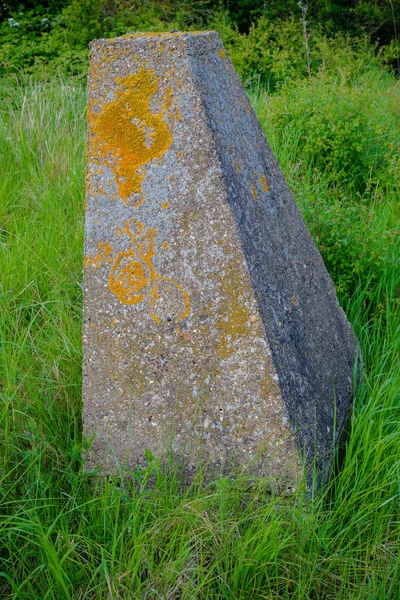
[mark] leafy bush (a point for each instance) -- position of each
(335, 138)
(272, 51)
(346, 126)
(83, 22)
(36, 45)
(33, 44)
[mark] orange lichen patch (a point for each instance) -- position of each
(165, 204)
(155, 317)
(237, 168)
(233, 324)
(164, 245)
(293, 299)
(179, 154)
(128, 278)
(222, 54)
(176, 114)
(267, 384)
(133, 278)
(264, 184)
(127, 134)
(186, 312)
(164, 291)
(253, 191)
(104, 251)
(114, 322)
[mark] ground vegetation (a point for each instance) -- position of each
(335, 129)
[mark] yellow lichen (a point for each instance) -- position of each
(175, 114)
(104, 251)
(233, 322)
(264, 184)
(237, 168)
(133, 269)
(128, 134)
(253, 191)
(222, 54)
(268, 385)
(128, 278)
(161, 289)
(133, 278)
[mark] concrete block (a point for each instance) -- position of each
(209, 316)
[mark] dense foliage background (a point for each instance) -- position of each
(55, 33)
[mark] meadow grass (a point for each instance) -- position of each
(65, 535)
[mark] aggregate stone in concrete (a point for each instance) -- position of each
(211, 326)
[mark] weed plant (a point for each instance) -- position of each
(65, 536)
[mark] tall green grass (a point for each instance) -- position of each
(62, 534)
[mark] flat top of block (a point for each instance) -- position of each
(158, 35)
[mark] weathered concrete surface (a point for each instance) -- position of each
(208, 312)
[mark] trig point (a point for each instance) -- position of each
(211, 326)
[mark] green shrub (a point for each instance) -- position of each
(272, 52)
(37, 45)
(336, 140)
(354, 241)
(346, 126)
(83, 22)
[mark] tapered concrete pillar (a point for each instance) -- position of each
(211, 326)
